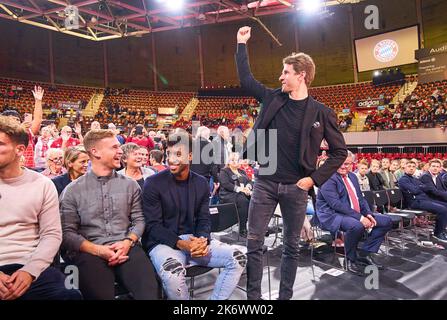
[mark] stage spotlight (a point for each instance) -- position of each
(376, 73)
(174, 4)
(310, 6)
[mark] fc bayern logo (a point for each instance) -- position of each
(386, 50)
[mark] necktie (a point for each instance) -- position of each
(352, 196)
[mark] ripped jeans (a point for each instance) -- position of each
(170, 266)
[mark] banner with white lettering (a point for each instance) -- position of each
(369, 103)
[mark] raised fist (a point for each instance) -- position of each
(243, 34)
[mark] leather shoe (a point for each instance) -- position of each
(355, 269)
(369, 261)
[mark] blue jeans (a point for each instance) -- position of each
(293, 202)
(170, 265)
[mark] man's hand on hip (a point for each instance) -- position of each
(305, 183)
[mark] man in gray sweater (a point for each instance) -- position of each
(30, 226)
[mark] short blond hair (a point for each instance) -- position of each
(302, 62)
(435, 161)
(363, 162)
(94, 136)
(375, 161)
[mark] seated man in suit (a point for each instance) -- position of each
(434, 186)
(341, 206)
(175, 205)
(416, 197)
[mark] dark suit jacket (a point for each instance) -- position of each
(228, 182)
(161, 208)
(219, 154)
(61, 182)
(412, 189)
(319, 123)
(333, 202)
(437, 192)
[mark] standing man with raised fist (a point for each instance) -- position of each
(301, 123)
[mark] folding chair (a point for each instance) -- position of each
(317, 229)
(191, 273)
(381, 200)
(395, 197)
(223, 217)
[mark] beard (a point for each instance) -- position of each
(181, 168)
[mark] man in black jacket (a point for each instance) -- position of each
(300, 124)
(416, 195)
(178, 225)
(432, 180)
(221, 148)
(202, 156)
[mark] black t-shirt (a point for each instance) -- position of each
(288, 123)
(182, 193)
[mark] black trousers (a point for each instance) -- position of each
(50, 285)
(97, 279)
(293, 202)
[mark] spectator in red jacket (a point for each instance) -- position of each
(139, 136)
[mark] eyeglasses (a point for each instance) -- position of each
(56, 159)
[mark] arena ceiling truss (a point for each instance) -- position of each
(100, 20)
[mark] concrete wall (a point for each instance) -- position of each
(397, 137)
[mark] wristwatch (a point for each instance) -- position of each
(131, 241)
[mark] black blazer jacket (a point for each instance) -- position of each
(161, 208)
(319, 123)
